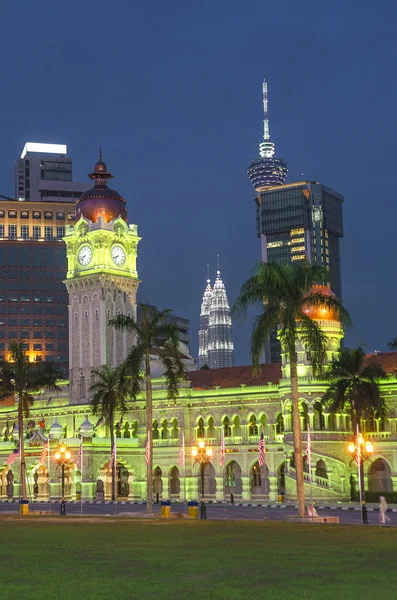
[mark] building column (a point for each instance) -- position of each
(311, 419)
(220, 489)
(246, 488)
(273, 491)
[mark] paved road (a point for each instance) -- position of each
(214, 511)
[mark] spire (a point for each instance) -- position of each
(266, 134)
(266, 147)
(100, 152)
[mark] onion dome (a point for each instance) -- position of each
(101, 200)
(86, 428)
(56, 430)
(320, 313)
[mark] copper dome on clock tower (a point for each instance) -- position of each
(101, 200)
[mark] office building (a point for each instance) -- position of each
(297, 222)
(216, 349)
(44, 173)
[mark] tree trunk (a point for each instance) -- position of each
(111, 425)
(21, 449)
(149, 429)
(300, 486)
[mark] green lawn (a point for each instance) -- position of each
(130, 559)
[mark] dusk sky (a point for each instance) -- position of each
(172, 90)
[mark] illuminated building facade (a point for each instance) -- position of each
(44, 173)
(267, 169)
(33, 297)
(297, 222)
(216, 349)
(230, 401)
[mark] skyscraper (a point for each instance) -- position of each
(216, 347)
(44, 173)
(297, 222)
(204, 323)
(267, 169)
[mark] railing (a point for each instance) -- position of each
(336, 436)
(166, 442)
(323, 482)
(383, 435)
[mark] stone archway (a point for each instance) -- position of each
(260, 483)
(233, 483)
(379, 477)
(174, 483)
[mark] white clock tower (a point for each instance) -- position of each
(101, 280)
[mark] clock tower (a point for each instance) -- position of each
(101, 280)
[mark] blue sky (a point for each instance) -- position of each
(173, 92)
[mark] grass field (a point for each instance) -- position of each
(130, 559)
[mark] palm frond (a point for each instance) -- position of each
(263, 325)
(331, 304)
(131, 370)
(125, 322)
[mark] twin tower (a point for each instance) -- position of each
(216, 348)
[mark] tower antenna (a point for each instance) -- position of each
(217, 258)
(100, 151)
(266, 132)
(208, 272)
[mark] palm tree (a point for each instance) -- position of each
(153, 334)
(354, 385)
(283, 292)
(393, 344)
(108, 397)
(22, 378)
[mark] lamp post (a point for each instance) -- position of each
(202, 455)
(360, 451)
(62, 456)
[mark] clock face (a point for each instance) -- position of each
(118, 255)
(85, 255)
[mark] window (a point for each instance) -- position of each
(47, 233)
(37, 346)
(60, 231)
(37, 335)
(12, 335)
(25, 346)
(12, 299)
(49, 322)
(37, 298)
(36, 232)
(49, 335)
(24, 214)
(37, 322)
(25, 322)
(12, 232)
(49, 346)
(12, 214)
(71, 216)
(2, 230)
(37, 310)
(12, 322)
(62, 346)
(49, 299)
(252, 427)
(25, 298)
(2, 214)
(60, 216)
(36, 214)
(48, 214)
(24, 232)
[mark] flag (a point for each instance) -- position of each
(13, 456)
(358, 447)
(261, 450)
(222, 456)
(147, 453)
(308, 449)
(80, 456)
(44, 452)
(113, 457)
(181, 451)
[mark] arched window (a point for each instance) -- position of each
(263, 422)
(126, 430)
(321, 469)
(155, 430)
(279, 424)
(227, 430)
(157, 481)
(252, 426)
(303, 413)
(318, 417)
(164, 430)
(210, 428)
(379, 477)
(236, 426)
(200, 428)
(256, 476)
(175, 430)
(174, 481)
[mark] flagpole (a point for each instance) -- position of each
(115, 472)
(309, 458)
(49, 469)
(81, 476)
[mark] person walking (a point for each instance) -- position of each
(383, 518)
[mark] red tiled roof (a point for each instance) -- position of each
(234, 376)
(388, 360)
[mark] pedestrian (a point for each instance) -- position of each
(364, 513)
(383, 518)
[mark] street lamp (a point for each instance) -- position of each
(202, 455)
(360, 451)
(62, 456)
